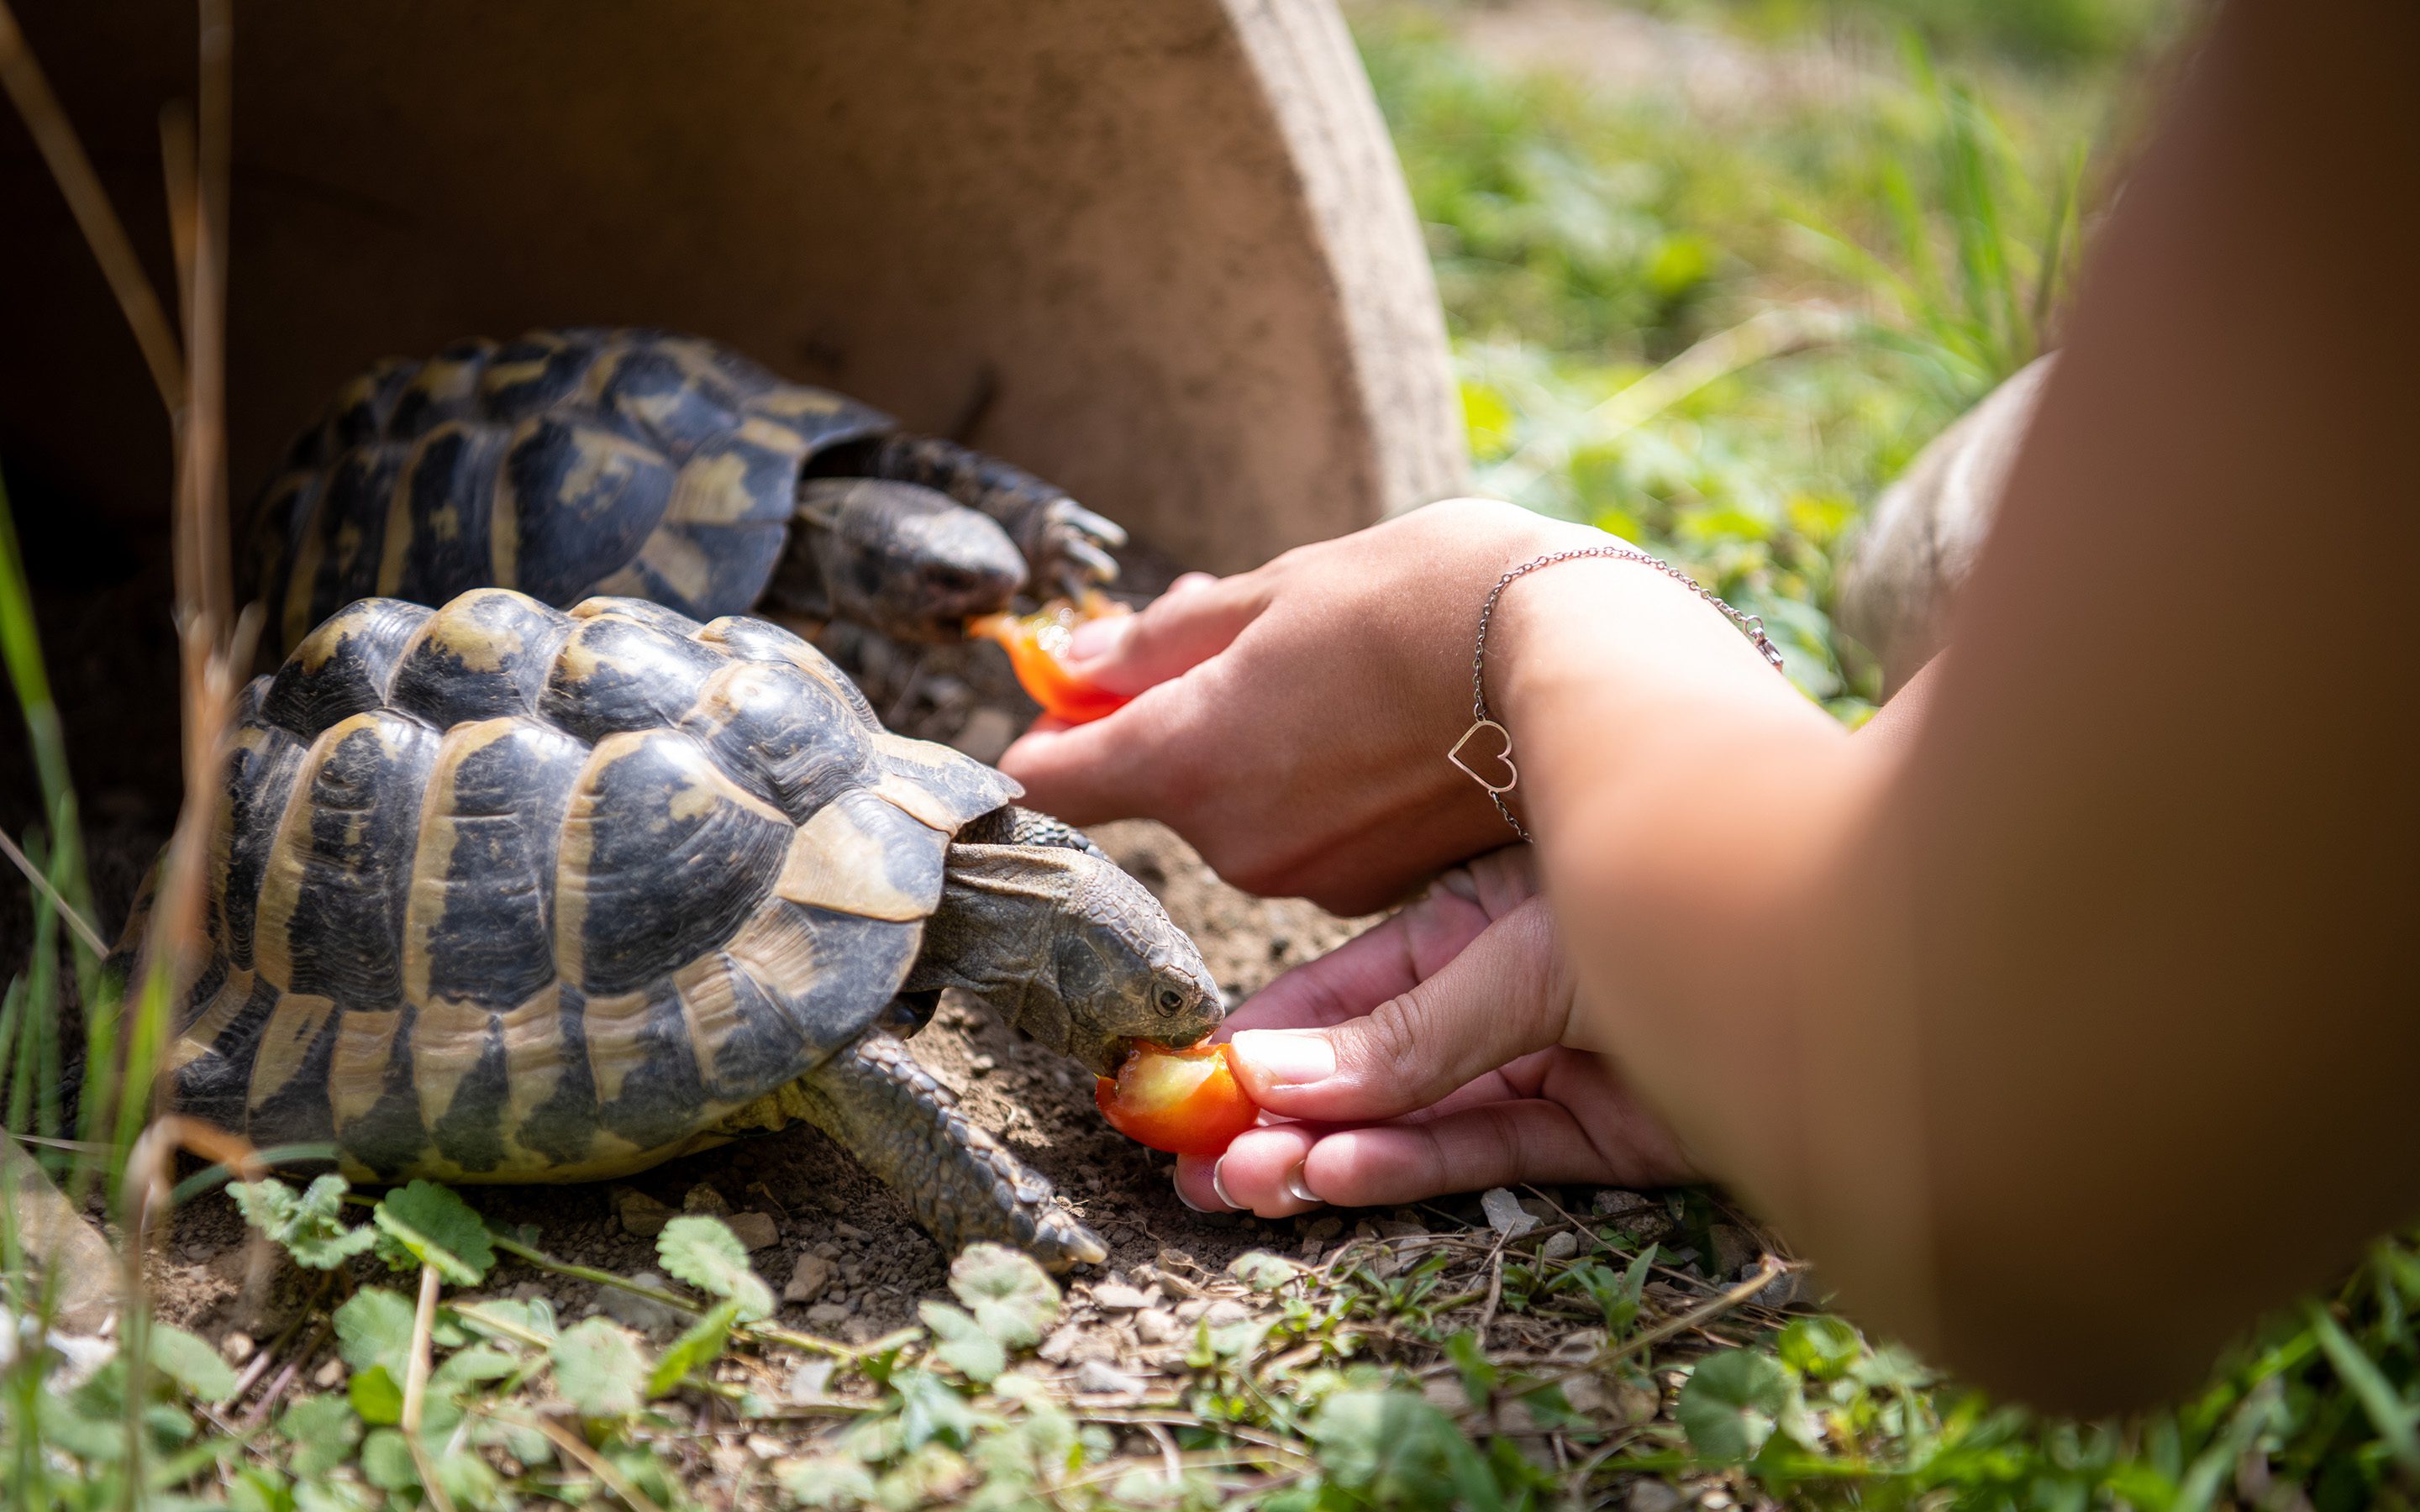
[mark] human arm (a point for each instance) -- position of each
(2003, 1013)
(2012, 1015)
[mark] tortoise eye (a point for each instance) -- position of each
(1170, 1000)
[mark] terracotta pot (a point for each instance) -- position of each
(1160, 252)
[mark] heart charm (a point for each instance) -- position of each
(1512, 773)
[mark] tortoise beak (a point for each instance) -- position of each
(1109, 1055)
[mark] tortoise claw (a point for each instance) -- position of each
(1076, 518)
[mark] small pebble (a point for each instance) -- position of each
(1560, 1246)
(237, 1348)
(1324, 1229)
(1113, 1297)
(982, 1065)
(1505, 1213)
(1224, 1311)
(640, 1214)
(1158, 1325)
(808, 1278)
(330, 1376)
(1061, 1344)
(704, 1198)
(830, 1314)
(1310, 1249)
(1101, 1379)
(1610, 1201)
(765, 1446)
(1191, 1309)
(1402, 1229)
(755, 1230)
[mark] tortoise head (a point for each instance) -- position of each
(1072, 950)
(898, 558)
(1126, 972)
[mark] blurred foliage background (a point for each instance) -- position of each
(1716, 270)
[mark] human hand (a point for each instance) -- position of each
(1292, 721)
(1426, 1056)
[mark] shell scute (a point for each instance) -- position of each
(755, 639)
(260, 766)
(584, 499)
(538, 894)
(479, 923)
(662, 856)
(617, 674)
(784, 736)
(484, 656)
(332, 894)
(343, 668)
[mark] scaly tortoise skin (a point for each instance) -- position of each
(501, 893)
(581, 462)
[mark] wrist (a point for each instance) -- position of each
(1593, 663)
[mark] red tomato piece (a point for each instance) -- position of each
(1037, 644)
(1185, 1101)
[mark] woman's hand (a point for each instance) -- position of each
(1293, 722)
(1426, 1056)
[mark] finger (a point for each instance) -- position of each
(1132, 762)
(1259, 1173)
(1495, 1144)
(1503, 996)
(1380, 963)
(1171, 635)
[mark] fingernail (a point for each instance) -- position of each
(1097, 638)
(1299, 1189)
(1287, 1057)
(1218, 1184)
(1188, 1201)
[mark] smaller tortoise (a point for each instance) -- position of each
(501, 893)
(581, 462)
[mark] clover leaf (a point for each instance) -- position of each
(600, 1369)
(1013, 1299)
(433, 1226)
(703, 1251)
(304, 1223)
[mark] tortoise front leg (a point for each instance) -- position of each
(963, 1185)
(1066, 546)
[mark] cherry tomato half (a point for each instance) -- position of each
(1037, 644)
(1185, 1101)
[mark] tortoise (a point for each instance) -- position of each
(503, 893)
(633, 463)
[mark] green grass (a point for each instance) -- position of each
(1902, 246)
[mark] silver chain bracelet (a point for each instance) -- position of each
(1751, 626)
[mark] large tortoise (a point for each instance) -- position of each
(590, 461)
(501, 893)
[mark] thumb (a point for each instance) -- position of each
(1504, 996)
(1195, 620)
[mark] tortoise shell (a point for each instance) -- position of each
(564, 464)
(504, 893)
